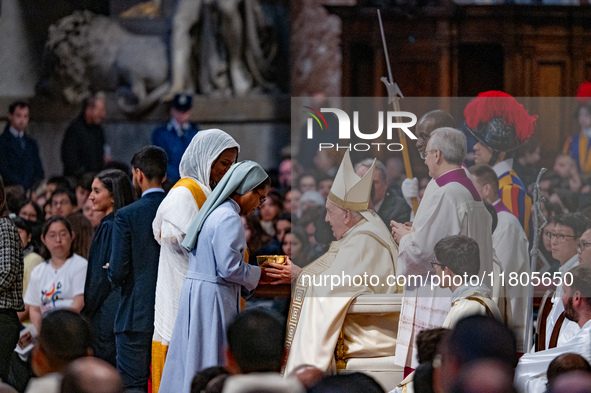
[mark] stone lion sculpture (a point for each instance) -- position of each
(86, 52)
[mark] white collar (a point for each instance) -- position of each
(467, 290)
(503, 166)
(17, 134)
(574, 261)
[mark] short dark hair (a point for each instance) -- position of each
(581, 281)
(486, 175)
(60, 182)
(204, 379)
(427, 342)
(471, 340)
(85, 181)
(90, 101)
(565, 363)
(20, 223)
(118, 184)
(68, 192)
(578, 222)
(347, 383)
(64, 337)
(18, 104)
(151, 160)
(255, 340)
(460, 254)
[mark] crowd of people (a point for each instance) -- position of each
(130, 277)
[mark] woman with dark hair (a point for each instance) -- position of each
(11, 285)
(256, 237)
(111, 190)
(296, 246)
(30, 257)
(57, 283)
(216, 277)
(33, 214)
(84, 231)
(269, 211)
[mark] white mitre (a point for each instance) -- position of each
(348, 190)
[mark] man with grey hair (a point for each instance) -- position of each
(451, 206)
(386, 201)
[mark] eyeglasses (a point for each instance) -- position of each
(434, 264)
(262, 198)
(560, 238)
(581, 246)
(424, 154)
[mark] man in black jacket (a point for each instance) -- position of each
(20, 163)
(83, 147)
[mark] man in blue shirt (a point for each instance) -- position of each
(175, 136)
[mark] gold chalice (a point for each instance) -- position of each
(264, 260)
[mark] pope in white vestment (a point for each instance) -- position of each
(318, 321)
(450, 206)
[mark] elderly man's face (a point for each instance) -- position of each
(336, 217)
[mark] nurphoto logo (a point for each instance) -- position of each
(393, 120)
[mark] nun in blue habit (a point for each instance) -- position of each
(216, 278)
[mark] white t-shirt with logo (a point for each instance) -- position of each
(50, 289)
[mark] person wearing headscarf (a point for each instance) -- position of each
(204, 163)
(218, 274)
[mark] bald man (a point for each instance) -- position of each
(91, 375)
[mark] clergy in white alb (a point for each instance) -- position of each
(511, 247)
(325, 288)
(563, 241)
(207, 158)
(530, 374)
(450, 206)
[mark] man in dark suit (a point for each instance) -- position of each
(386, 201)
(134, 267)
(20, 163)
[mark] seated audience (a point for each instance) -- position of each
(59, 281)
(91, 375)
(564, 364)
(296, 246)
(63, 203)
(530, 375)
(255, 343)
(474, 338)
(64, 337)
(209, 380)
(347, 383)
(30, 257)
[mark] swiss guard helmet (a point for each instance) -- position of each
(499, 122)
